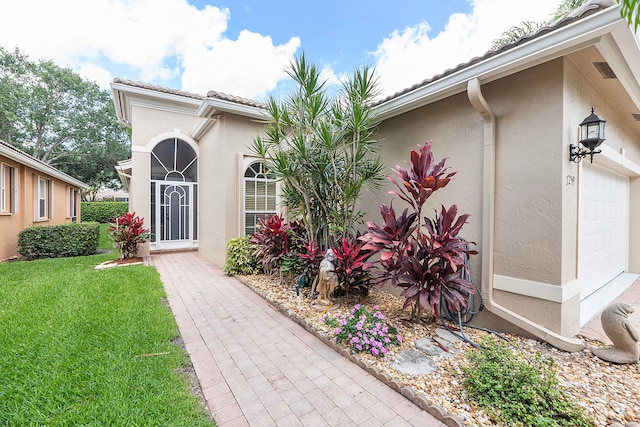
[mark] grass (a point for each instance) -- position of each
(85, 347)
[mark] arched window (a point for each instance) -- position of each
(174, 160)
(259, 195)
(174, 195)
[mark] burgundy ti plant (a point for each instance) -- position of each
(272, 242)
(427, 260)
(350, 263)
(127, 232)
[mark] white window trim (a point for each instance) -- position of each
(3, 188)
(42, 194)
(72, 206)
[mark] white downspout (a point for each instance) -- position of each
(488, 231)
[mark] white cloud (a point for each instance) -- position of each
(156, 40)
(250, 66)
(410, 56)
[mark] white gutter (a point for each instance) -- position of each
(488, 231)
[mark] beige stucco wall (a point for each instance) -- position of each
(531, 238)
(456, 132)
(219, 189)
(24, 216)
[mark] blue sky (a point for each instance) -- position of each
(242, 47)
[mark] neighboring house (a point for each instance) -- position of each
(556, 238)
(109, 194)
(32, 193)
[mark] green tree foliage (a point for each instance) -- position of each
(323, 150)
(53, 114)
(630, 10)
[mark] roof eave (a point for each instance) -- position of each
(33, 163)
(124, 96)
(215, 106)
(555, 44)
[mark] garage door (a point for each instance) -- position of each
(604, 230)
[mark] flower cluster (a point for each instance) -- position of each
(365, 330)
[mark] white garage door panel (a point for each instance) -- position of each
(604, 225)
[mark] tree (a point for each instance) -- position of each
(630, 10)
(323, 150)
(53, 114)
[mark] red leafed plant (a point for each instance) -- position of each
(350, 264)
(427, 260)
(272, 242)
(127, 233)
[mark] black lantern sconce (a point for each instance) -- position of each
(591, 136)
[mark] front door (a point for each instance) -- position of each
(174, 216)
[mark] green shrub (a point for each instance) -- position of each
(518, 390)
(240, 259)
(102, 212)
(57, 241)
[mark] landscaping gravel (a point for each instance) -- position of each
(609, 393)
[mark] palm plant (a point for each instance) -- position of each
(323, 150)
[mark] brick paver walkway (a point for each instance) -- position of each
(257, 367)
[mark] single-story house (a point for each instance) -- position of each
(32, 193)
(556, 237)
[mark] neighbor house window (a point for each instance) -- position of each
(44, 199)
(7, 188)
(72, 203)
(259, 195)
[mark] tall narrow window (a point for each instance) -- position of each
(8, 189)
(42, 198)
(4, 182)
(259, 195)
(72, 204)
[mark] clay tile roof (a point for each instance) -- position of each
(581, 12)
(210, 94)
(158, 88)
(236, 99)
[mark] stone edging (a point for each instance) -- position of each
(421, 401)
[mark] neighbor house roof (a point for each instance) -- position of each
(17, 155)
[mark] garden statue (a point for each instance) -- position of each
(622, 334)
(327, 279)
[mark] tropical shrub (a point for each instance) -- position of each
(322, 150)
(350, 262)
(102, 212)
(271, 241)
(516, 389)
(365, 330)
(428, 259)
(127, 233)
(310, 258)
(240, 259)
(57, 241)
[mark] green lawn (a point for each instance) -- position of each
(86, 347)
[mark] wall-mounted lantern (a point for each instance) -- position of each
(591, 136)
